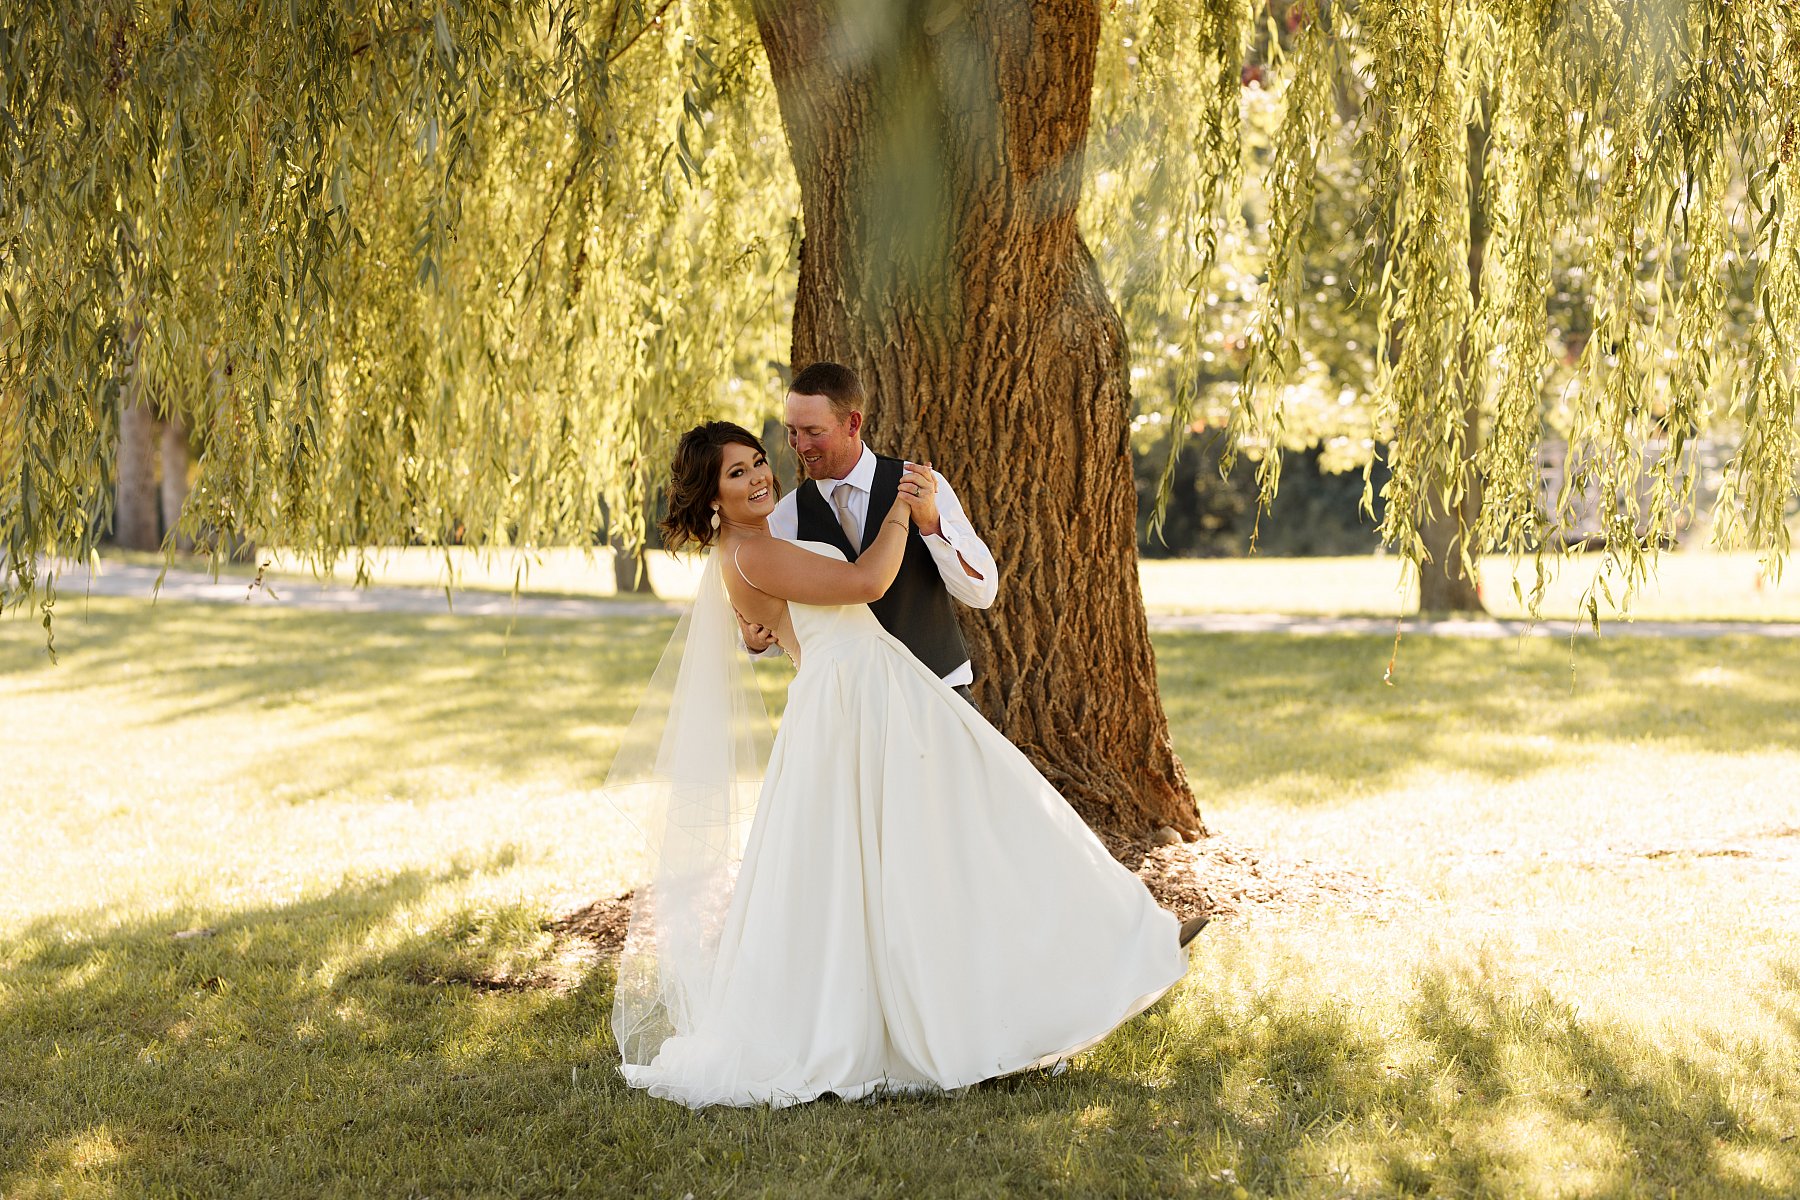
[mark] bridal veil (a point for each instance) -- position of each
(687, 776)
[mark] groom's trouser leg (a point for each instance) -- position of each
(962, 689)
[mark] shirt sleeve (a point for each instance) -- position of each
(955, 543)
(784, 522)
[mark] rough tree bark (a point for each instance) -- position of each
(939, 150)
(1444, 586)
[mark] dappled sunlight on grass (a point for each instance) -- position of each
(259, 750)
(1557, 1155)
(1485, 1086)
(289, 931)
(1295, 719)
(356, 713)
(82, 1163)
(303, 1018)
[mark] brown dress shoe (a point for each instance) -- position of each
(1190, 929)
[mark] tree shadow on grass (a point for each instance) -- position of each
(1666, 1123)
(1784, 998)
(373, 702)
(337, 1045)
(367, 702)
(1313, 714)
(286, 1048)
(1496, 1089)
(1492, 1088)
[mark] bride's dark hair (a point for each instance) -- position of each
(694, 481)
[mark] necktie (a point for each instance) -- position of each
(840, 500)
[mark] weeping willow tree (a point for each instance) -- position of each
(406, 275)
(1641, 154)
(438, 272)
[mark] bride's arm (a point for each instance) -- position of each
(793, 573)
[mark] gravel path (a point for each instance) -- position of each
(140, 582)
(1482, 627)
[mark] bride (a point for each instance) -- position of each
(889, 897)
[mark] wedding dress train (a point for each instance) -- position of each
(916, 906)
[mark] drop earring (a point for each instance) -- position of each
(715, 517)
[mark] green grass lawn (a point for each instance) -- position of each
(263, 867)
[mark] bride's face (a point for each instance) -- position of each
(746, 485)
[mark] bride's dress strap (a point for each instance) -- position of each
(740, 566)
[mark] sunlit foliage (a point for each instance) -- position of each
(419, 273)
(439, 272)
(1614, 181)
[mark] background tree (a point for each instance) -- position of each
(138, 519)
(1646, 152)
(1188, 276)
(1308, 238)
(431, 272)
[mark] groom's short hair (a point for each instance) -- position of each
(836, 383)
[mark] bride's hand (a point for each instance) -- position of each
(900, 513)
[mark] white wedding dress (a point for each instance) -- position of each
(916, 907)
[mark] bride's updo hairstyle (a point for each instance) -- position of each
(694, 481)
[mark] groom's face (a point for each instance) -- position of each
(826, 443)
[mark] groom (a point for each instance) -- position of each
(848, 489)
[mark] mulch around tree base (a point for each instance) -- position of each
(1222, 879)
(603, 923)
(1215, 876)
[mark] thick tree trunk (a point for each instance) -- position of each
(631, 575)
(1444, 586)
(939, 152)
(135, 518)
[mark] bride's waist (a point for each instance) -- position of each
(838, 641)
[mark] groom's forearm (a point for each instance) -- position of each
(963, 560)
(968, 569)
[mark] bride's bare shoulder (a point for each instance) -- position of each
(768, 549)
(793, 571)
(748, 557)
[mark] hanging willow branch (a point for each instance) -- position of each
(427, 272)
(1646, 152)
(410, 274)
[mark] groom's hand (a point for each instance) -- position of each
(918, 487)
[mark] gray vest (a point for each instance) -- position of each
(916, 609)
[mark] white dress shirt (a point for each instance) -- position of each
(955, 543)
